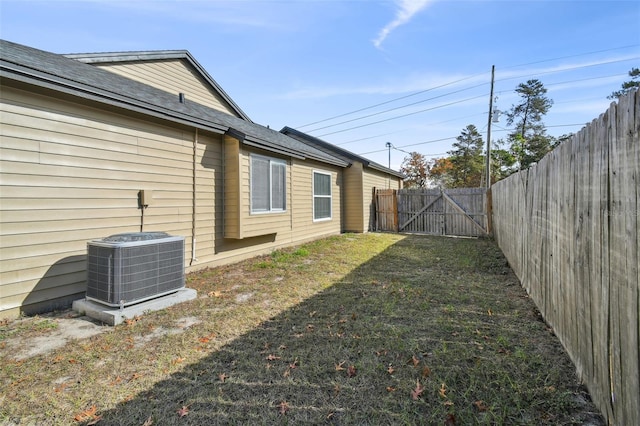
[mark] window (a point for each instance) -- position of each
(321, 196)
(268, 184)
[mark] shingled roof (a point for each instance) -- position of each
(341, 153)
(62, 74)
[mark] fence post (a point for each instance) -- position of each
(489, 211)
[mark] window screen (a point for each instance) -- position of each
(321, 196)
(268, 184)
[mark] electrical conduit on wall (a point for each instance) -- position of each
(193, 199)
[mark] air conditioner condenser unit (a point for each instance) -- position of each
(130, 268)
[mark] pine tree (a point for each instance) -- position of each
(628, 86)
(529, 142)
(467, 158)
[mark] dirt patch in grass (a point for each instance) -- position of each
(355, 329)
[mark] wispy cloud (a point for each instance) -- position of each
(598, 73)
(407, 9)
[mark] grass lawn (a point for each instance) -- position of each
(376, 329)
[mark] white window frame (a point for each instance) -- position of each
(330, 196)
(272, 162)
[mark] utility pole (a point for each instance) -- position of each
(488, 159)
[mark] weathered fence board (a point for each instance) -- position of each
(386, 210)
(569, 228)
(459, 212)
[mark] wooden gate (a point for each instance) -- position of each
(460, 211)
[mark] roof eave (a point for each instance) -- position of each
(43, 80)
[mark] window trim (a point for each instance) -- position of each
(271, 161)
(314, 196)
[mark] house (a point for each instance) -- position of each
(360, 180)
(83, 136)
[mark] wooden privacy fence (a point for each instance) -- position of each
(569, 228)
(461, 211)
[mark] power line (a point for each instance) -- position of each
(476, 75)
(426, 124)
(389, 101)
(571, 56)
(462, 90)
(404, 115)
(571, 69)
(397, 108)
(413, 144)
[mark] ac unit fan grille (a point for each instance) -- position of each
(125, 274)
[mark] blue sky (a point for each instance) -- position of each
(410, 72)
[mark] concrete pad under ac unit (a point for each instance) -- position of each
(114, 315)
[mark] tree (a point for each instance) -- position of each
(529, 142)
(440, 172)
(416, 168)
(467, 159)
(502, 162)
(628, 86)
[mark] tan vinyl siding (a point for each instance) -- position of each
(304, 227)
(71, 174)
(354, 220)
(173, 76)
(232, 188)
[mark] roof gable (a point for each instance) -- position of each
(175, 71)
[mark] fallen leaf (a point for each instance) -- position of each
(286, 373)
(414, 360)
(480, 405)
(390, 369)
(73, 361)
(283, 408)
(415, 394)
(351, 371)
(391, 389)
(222, 377)
(339, 367)
(60, 388)
(443, 391)
(490, 312)
(272, 357)
(450, 420)
(86, 415)
(178, 360)
(214, 294)
(135, 376)
(183, 411)
(148, 422)
(426, 371)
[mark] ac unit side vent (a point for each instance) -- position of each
(130, 268)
